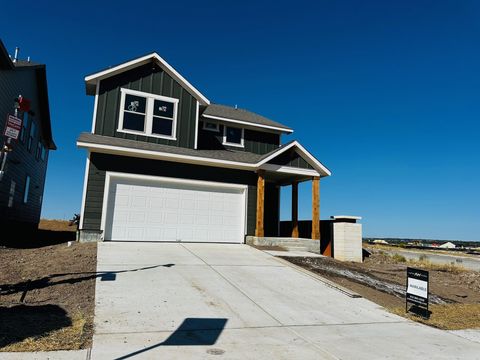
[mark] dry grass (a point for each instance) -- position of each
(55, 225)
(68, 338)
(447, 317)
(427, 265)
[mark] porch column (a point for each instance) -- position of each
(295, 209)
(316, 208)
(259, 229)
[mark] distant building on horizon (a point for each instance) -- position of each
(447, 245)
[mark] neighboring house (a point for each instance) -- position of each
(165, 164)
(21, 188)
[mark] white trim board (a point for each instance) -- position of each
(110, 175)
(95, 106)
(84, 195)
(234, 121)
(91, 79)
(149, 154)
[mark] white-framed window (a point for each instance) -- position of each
(11, 194)
(211, 126)
(26, 190)
(148, 114)
(232, 136)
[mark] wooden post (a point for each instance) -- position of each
(295, 209)
(316, 208)
(259, 229)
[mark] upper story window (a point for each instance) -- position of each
(232, 136)
(23, 134)
(148, 114)
(211, 126)
(31, 136)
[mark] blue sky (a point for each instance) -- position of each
(384, 93)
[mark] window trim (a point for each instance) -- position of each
(217, 126)
(224, 142)
(150, 100)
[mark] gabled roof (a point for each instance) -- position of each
(91, 80)
(5, 61)
(296, 146)
(243, 117)
(222, 158)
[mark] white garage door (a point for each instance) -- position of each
(164, 209)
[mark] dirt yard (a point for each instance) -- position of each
(47, 297)
(454, 292)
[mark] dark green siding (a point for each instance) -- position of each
(151, 79)
(257, 142)
(100, 163)
(22, 162)
(292, 159)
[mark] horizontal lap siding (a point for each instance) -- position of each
(151, 79)
(20, 161)
(100, 163)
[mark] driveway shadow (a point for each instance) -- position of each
(192, 332)
(67, 278)
(21, 321)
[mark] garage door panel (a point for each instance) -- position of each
(151, 210)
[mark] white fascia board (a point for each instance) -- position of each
(119, 150)
(317, 165)
(234, 121)
(144, 60)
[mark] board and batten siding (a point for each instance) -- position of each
(149, 78)
(100, 163)
(257, 142)
(22, 162)
(291, 159)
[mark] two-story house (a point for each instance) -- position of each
(166, 164)
(23, 181)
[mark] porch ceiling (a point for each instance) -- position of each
(284, 179)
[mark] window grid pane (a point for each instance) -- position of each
(234, 135)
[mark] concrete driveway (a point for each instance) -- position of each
(213, 301)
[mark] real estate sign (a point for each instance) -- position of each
(13, 127)
(417, 291)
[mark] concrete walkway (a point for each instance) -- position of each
(196, 301)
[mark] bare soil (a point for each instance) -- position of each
(382, 279)
(47, 297)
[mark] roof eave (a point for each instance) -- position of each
(248, 123)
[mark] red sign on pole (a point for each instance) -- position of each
(23, 104)
(13, 127)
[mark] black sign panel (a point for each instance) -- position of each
(417, 291)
